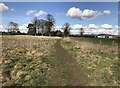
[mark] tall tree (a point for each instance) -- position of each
(42, 27)
(13, 27)
(66, 27)
(81, 31)
(50, 22)
(36, 23)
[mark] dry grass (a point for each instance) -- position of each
(26, 60)
(85, 46)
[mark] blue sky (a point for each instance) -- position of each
(17, 12)
(59, 10)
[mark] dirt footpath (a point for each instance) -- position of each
(68, 63)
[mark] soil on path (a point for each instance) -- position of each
(65, 61)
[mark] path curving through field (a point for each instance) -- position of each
(67, 71)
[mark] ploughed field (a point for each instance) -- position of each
(54, 61)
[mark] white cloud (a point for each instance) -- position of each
(77, 26)
(40, 13)
(106, 12)
(74, 12)
(112, 32)
(105, 29)
(30, 12)
(75, 31)
(106, 26)
(2, 28)
(58, 27)
(92, 26)
(36, 14)
(90, 14)
(86, 14)
(101, 31)
(115, 27)
(23, 28)
(3, 7)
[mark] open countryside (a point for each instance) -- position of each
(39, 54)
(55, 61)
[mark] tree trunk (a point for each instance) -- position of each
(49, 34)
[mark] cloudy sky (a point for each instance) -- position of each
(94, 17)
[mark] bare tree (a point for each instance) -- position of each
(81, 31)
(66, 27)
(13, 27)
(42, 27)
(36, 23)
(50, 22)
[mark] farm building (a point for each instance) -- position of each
(104, 36)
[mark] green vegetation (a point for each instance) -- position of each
(99, 67)
(104, 41)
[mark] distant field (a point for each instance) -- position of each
(54, 61)
(104, 41)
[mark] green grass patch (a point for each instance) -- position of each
(103, 41)
(99, 68)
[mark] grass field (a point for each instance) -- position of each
(98, 62)
(54, 61)
(103, 41)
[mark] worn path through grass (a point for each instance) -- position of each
(67, 71)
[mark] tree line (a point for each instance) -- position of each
(42, 27)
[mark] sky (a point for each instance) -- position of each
(94, 17)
